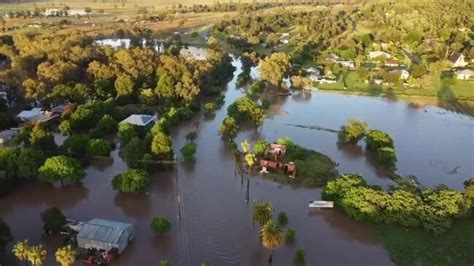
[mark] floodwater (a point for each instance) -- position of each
(216, 221)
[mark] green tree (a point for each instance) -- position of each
(274, 67)
(41, 138)
(36, 255)
(160, 225)
(191, 136)
(29, 161)
(124, 85)
(245, 146)
(5, 235)
(387, 157)
(107, 125)
(76, 145)
(161, 145)
(260, 148)
(353, 131)
(126, 133)
(376, 139)
(209, 107)
(272, 236)
(262, 212)
(21, 250)
(133, 152)
(165, 86)
(98, 147)
(131, 181)
(61, 168)
(229, 128)
(53, 220)
(66, 256)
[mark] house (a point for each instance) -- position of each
(276, 150)
(457, 59)
(464, 74)
(105, 235)
(377, 80)
(404, 74)
(333, 57)
(348, 64)
(314, 74)
(376, 54)
(140, 120)
(392, 63)
(36, 115)
(7, 135)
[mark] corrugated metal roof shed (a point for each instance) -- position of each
(140, 120)
(105, 234)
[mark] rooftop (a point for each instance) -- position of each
(103, 230)
(140, 120)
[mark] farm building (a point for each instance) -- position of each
(105, 234)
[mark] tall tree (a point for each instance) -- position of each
(21, 250)
(5, 235)
(66, 256)
(262, 212)
(274, 67)
(36, 255)
(272, 237)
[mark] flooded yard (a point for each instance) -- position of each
(216, 226)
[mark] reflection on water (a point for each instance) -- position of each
(216, 223)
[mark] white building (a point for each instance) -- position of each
(457, 60)
(106, 235)
(36, 115)
(7, 135)
(348, 64)
(404, 74)
(140, 120)
(375, 54)
(464, 74)
(313, 73)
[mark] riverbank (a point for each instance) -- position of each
(409, 246)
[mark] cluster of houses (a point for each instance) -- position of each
(273, 160)
(386, 61)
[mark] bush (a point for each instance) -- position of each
(290, 235)
(76, 145)
(188, 151)
(126, 133)
(160, 225)
(229, 128)
(300, 256)
(209, 107)
(131, 181)
(266, 104)
(53, 220)
(282, 218)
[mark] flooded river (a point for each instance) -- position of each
(216, 226)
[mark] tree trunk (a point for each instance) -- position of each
(270, 259)
(62, 183)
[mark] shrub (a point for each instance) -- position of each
(290, 235)
(188, 151)
(160, 225)
(266, 104)
(386, 157)
(300, 256)
(209, 107)
(282, 218)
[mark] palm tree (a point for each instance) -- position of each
(272, 236)
(66, 256)
(262, 212)
(21, 249)
(36, 255)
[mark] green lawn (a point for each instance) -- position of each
(413, 247)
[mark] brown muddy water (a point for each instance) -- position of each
(216, 221)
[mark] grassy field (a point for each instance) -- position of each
(414, 247)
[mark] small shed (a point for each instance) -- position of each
(106, 235)
(7, 135)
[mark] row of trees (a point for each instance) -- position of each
(36, 255)
(431, 209)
